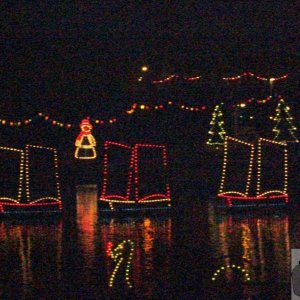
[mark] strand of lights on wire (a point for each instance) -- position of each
(223, 269)
(249, 74)
(174, 77)
(133, 109)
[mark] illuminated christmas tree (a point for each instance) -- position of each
(284, 128)
(216, 131)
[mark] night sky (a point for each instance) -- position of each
(67, 58)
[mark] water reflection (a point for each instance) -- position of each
(151, 260)
(30, 257)
(122, 256)
(174, 257)
(100, 237)
(260, 243)
(86, 219)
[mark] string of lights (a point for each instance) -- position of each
(135, 107)
(244, 272)
(261, 78)
(174, 77)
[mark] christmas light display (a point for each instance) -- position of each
(171, 77)
(283, 146)
(134, 108)
(85, 142)
(53, 121)
(166, 196)
(223, 269)
(53, 153)
(18, 196)
(25, 203)
(269, 197)
(132, 199)
(233, 78)
(249, 74)
(122, 255)
(284, 128)
(216, 131)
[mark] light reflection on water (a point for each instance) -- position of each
(174, 256)
(149, 235)
(28, 249)
(258, 242)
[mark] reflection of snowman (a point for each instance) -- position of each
(85, 142)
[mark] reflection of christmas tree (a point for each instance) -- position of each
(284, 128)
(216, 131)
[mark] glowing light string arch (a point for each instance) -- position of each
(222, 269)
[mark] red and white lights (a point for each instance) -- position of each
(132, 191)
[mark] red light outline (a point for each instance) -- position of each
(133, 171)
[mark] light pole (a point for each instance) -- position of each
(235, 114)
(235, 121)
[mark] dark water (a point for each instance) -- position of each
(173, 256)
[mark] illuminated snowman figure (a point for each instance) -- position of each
(85, 142)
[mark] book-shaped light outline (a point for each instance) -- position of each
(133, 171)
(224, 168)
(117, 198)
(229, 195)
(163, 197)
(19, 196)
(259, 167)
(27, 175)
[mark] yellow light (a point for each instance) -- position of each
(144, 68)
(243, 105)
(142, 106)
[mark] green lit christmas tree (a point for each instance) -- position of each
(284, 128)
(216, 131)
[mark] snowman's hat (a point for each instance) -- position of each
(86, 122)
